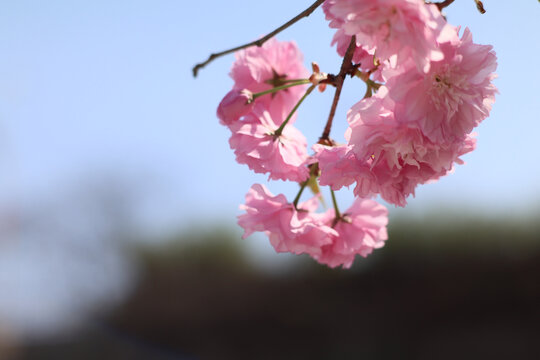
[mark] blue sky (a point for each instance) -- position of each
(90, 88)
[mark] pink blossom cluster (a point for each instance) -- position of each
(301, 230)
(254, 122)
(427, 90)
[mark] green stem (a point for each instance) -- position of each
(297, 198)
(282, 87)
(282, 126)
(370, 84)
(338, 214)
(369, 92)
(293, 80)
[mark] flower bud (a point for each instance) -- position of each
(317, 76)
(234, 105)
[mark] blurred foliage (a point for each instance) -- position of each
(465, 235)
(204, 246)
(441, 288)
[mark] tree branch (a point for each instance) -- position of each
(480, 6)
(262, 40)
(441, 5)
(346, 68)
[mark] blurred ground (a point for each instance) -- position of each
(438, 290)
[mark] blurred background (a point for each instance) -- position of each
(119, 196)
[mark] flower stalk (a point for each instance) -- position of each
(336, 209)
(282, 87)
(278, 132)
(261, 41)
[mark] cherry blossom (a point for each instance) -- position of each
(393, 28)
(459, 91)
(427, 89)
(338, 165)
(255, 143)
(290, 229)
(396, 158)
(235, 105)
(261, 68)
(361, 229)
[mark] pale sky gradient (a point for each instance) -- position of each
(93, 87)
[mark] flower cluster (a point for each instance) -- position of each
(258, 138)
(299, 229)
(427, 89)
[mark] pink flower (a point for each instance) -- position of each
(398, 157)
(262, 68)
(283, 157)
(289, 229)
(361, 229)
(362, 54)
(402, 28)
(234, 105)
(338, 165)
(453, 97)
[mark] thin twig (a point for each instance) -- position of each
(480, 6)
(297, 198)
(262, 40)
(346, 67)
(441, 5)
(336, 209)
(278, 132)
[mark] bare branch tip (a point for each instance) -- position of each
(262, 40)
(441, 5)
(480, 6)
